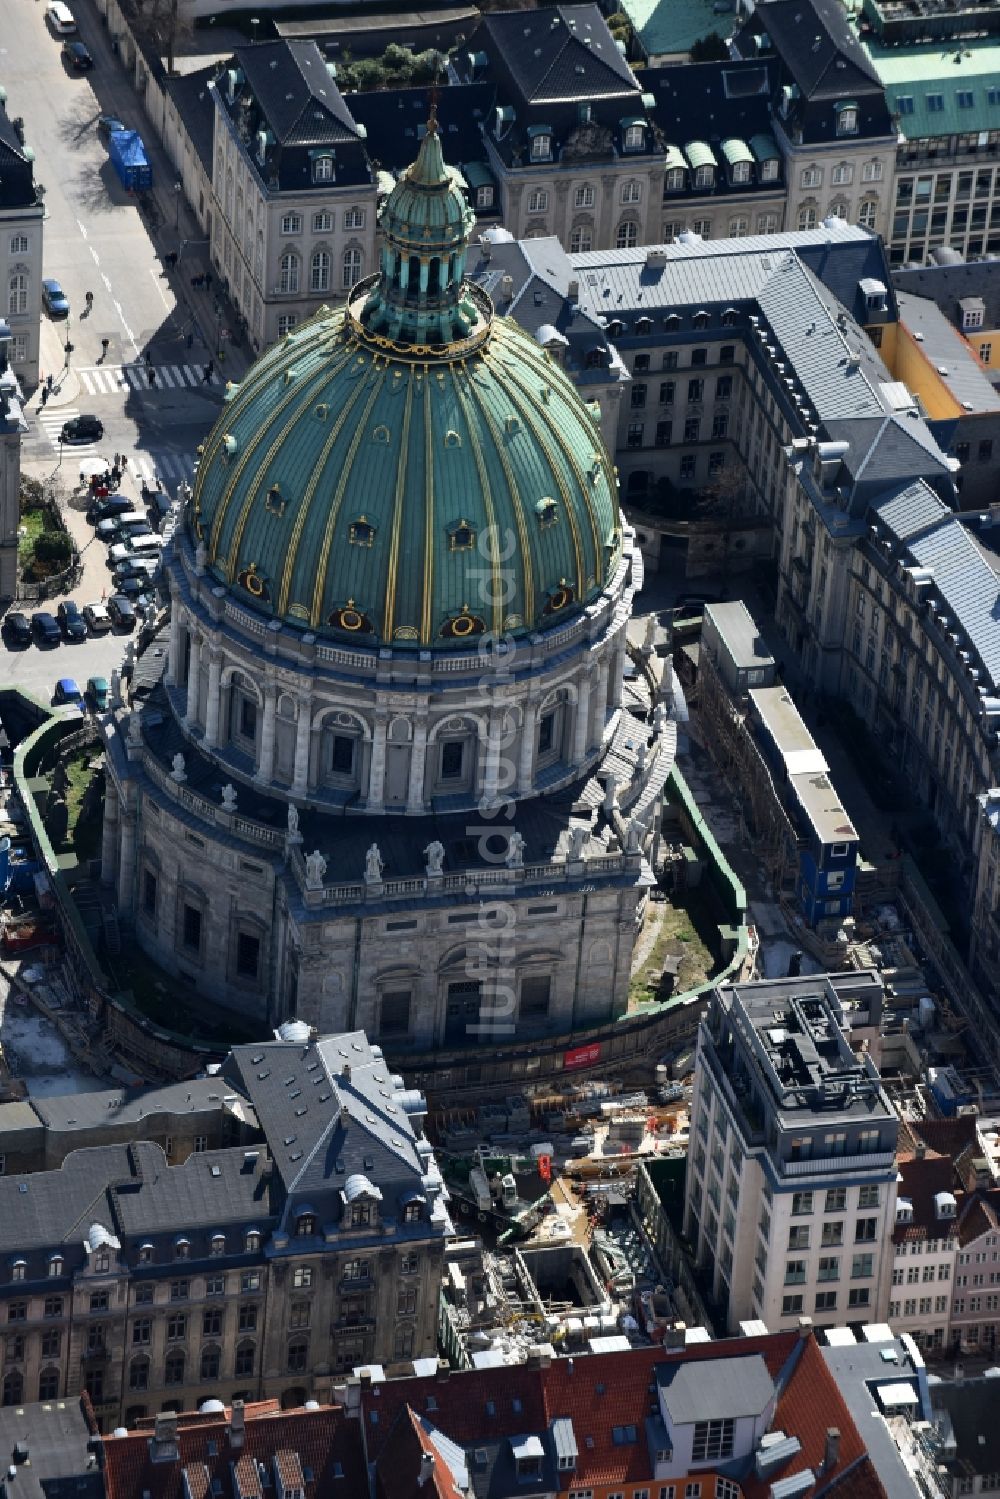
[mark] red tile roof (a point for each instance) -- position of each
(321, 1439)
(289, 1470)
(247, 1485)
(601, 1391)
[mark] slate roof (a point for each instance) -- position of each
(963, 578)
(395, 121)
(17, 188)
(56, 1434)
(48, 1208)
(300, 100)
(819, 48)
(947, 284)
(211, 1189)
(717, 1388)
(326, 1442)
(972, 1406)
(561, 52)
(728, 99)
(948, 352)
(118, 1106)
(331, 1109)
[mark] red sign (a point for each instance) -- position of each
(581, 1056)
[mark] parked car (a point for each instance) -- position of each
(107, 530)
(54, 298)
(107, 125)
(71, 620)
(121, 612)
(97, 693)
(142, 546)
(44, 628)
(136, 567)
(97, 617)
(68, 694)
(132, 526)
(136, 590)
(60, 18)
(110, 506)
(77, 56)
(83, 429)
(17, 628)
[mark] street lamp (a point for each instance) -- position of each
(177, 205)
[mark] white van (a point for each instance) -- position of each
(60, 18)
(144, 546)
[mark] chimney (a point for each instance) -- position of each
(675, 1336)
(426, 1469)
(921, 1150)
(805, 1327)
(163, 1448)
(347, 1072)
(573, 289)
(237, 1425)
(832, 1453)
(443, 1370)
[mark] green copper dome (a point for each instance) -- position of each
(409, 469)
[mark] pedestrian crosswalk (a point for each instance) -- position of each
(110, 379)
(156, 470)
(52, 423)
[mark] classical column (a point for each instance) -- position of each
(600, 702)
(265, 769)
(491, 770)
(126, 864)
(418, 756)
(214, 696)
(173, 671)
(303, 739)
(581, 724)
(109, 835)
(376, 773)
(617, 675)
(193, 682)
(526, 767)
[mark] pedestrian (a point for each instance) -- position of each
(45, 394)
(105, 346)
(49, 382)
(207, 278)
(149, 358)
(152, 376)
(123, 459)
(209, 372)
(190, 340)
(116, 476)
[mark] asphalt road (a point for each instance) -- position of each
(96, 240)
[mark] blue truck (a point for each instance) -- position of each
(129, 159)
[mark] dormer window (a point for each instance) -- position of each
(462, 537)
(56, 1265)
(847, 119)
(411, 1213)
(361, 1214)
(741, 171)
(704, 177)
(362, 532)
(218, 1244)
(635, 137)
(182, 1249)
(323, 168)
(768, 171)
(145, 1254)
(19, 1270)
(305, 1225)
(528, 1454)
(713, 1440)
(253, 1242)
(541, 147)
(484, 197)
(102, 1263)
(547, 512)
(675, 180)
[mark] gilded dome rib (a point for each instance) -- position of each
(496, 581)
(397, 517)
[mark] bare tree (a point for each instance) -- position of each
(165, 23)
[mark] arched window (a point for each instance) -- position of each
(210, 1362)
(319, 272)
(352, 268)
(253, 1241)
(173, 1368)
(17, 293)
(218, 1243)
(628, 236)
(48, 1384)
(807, 218)
(580, 241)
(288, 272)
(138, 1373)
(867, 213)
(13, 1388)
(246, 1353)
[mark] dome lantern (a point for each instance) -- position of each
(419, 297)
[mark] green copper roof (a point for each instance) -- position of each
(362, 482)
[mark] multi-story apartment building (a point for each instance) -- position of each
(975, 1306)
(967, 294)
(790, 1196)
(293, 190)
(20, 252)
(569, 140)
(281, 1226)
(925, 1245)
(829, 113)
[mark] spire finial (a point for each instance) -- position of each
(432, 118)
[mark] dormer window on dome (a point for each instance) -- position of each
(461, 537)
(362, 532)
(547, 512)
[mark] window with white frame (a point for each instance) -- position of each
(351, 268)
(635, 137)
(741, 171)
(484, 197)
(17, 293)
(584, 197)
(838, 209)
(286, 322)
(291, 223)
(354, 218)
(767, 223)
(811, 176)
(288, 272)
(632, 192)
(872, 171)
(323, 168)
(807, 218)
(319, 271)
(675, 180)
(768, 171)
(704, 176)
(847, 119)
(19, 352)
(867, 214)
(538, 200)
(541, 147)
(842, 174)
(322, 222)
(19, 244)
(628, 236)
(739, 226)
(581, 239)
(713, 1440)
